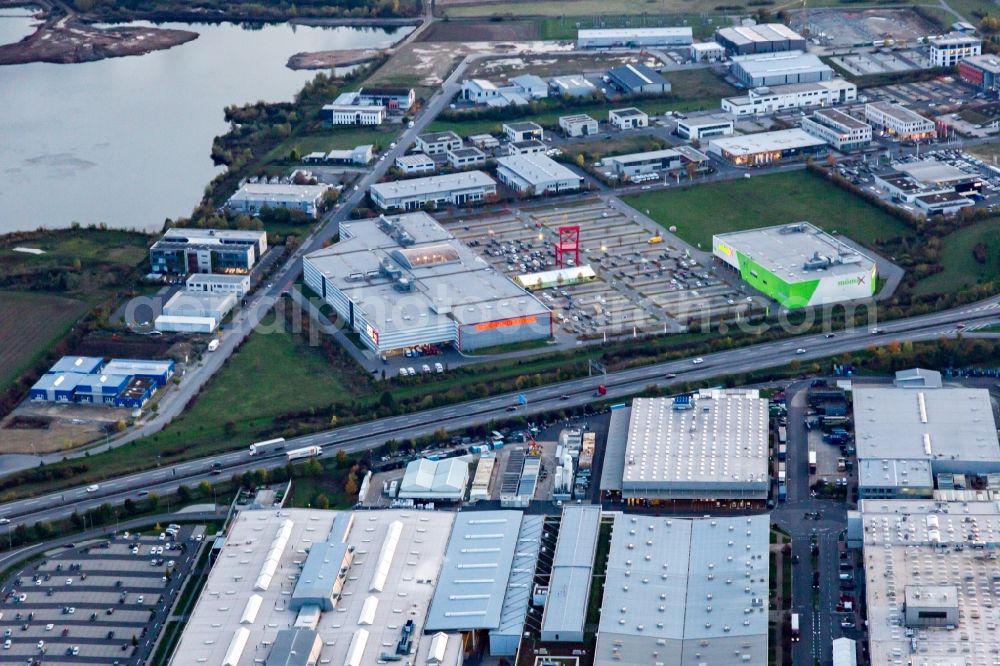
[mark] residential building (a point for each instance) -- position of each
(843, 132)
(637, 79)
(436, 480)
(696, 128)
(707, 52)
(361, 114)
(948, 50)
(184, 250)
(456, 189)
(466, 158)
(682, 591)
(635, 164)
(392, 98)
(797, 265)
(572, 86)
(764, 38)
(766, 147)
(529, 147)
(634, 38)
(782, 68)
(219, 283)
(252, 198)
(982, 71)
(768, 100)
(708, 446)
(523, 131)
(630, 118)
(536, 174)
(899, 121)
(438, 143)
(578, 125)
(415, 163)
(404, 281)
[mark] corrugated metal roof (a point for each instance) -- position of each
(572, 567)
(522, 575)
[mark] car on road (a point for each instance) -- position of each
(4, 521)
(698, 361)
(830, 335)
(50, 627)
(142, 493)
(6, 644)
(800, 350)
(876, 331)
(671, 375)
(93, 488)
(511, 408)
(564, 397)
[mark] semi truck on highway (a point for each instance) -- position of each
(269, 447)
(305, 452)
(795, 627)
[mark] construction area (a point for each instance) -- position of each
(837, 27)
(604, 273)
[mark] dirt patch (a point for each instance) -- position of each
(556, 64)
(329, 59)
(69, 40)
(845, 27)
(52, 436)
(479, 31)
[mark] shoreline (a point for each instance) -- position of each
(309, 60)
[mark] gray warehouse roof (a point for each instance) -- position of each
(572, 568)
(522, 576)
(292, 647)
(784, 63)
(537, 168)
(477, 566)
(448, 182)
(614, 450)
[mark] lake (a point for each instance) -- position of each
(127, 141)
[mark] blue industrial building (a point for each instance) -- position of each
(120, 382)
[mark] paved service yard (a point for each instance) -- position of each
(100, 603)
(643, 282)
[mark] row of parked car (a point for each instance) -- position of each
(425, 369)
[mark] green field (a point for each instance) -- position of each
(701, 211)
(961, 268)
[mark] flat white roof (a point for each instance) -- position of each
(945, 425)
(278, 192)
(779, 64)
(433, 184)
(690, 591)
(634, 33)
(751, 144)
(927, 542)
(901, 475)
(414, 566)
(898, 112)
(715, 439)
(537, 168)
(933, 171)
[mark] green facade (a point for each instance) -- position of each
(792, 296)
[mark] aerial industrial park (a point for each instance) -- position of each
(548, 336)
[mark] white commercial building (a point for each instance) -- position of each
(899, 121)
(948, 50)
(252, 198)
(353, 114)
(529, 147)
(634, 37)
(518, 91)
(768, 100)
(578, 125)
(712, 445)
(523, 131)
(951, 428)
(572, 85)
(931, 581)
(484, 141)
(536, 174)
(453, 188)
(773, 69)
(219, 283)
(191, 311)
(630, 118)
(466, 158)
(696, 128)
(438, 143)
(488, 576)
(435, 480)
(798, 265)
(765, 148)
(405, 281)
(681, 592)
(845, 652)
(415, 163)
(707, 52)
(843, 132)
(636, 164)
(303, 587)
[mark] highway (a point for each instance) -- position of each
(573, 393)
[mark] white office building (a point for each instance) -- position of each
(572, 85)
(634, 37)
(899, 121)
(682, 592)
(529, 147)
(948, 50)
(219, 283)
(353, 114)
(454, 188)
(578, 125)
(707, 52)
(630, 118)
(536, 174)
(636, 164)
(782, 68)
(843, 132)
(768, 100)
(523, 131)
(252, 198)
(696, 128)
(438, 143)
(466, 158)
(415, 163)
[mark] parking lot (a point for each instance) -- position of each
(99, 603)
(643, 283)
